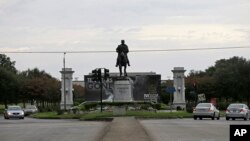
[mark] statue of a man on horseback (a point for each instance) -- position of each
(122, 59)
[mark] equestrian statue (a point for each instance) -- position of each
(122, 58)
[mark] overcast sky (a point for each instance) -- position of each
(81, 25)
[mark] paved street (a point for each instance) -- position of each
(49, 130)
(189, 129)
(125, 128)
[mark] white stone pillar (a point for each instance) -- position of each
(179, 84)
(68, 93)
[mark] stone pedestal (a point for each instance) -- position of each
(123, 90)
(179, 84)
(66, 93)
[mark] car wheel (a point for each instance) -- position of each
(200, 118)
(227, 118)
(233, 118)
(195, 118)
(213, 116)
(245, 118)
(218, 118)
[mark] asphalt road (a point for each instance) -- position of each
(189, 129)
(75, 130)
(31, 129)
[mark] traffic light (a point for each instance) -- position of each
(94, 75)
(99, 74)
(106, 74)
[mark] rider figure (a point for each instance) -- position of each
(122, 48)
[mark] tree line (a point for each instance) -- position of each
(32, 86)
(228, 81)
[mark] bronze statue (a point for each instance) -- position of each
(122, 58)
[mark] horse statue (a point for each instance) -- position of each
(122, 59)
(122, 62)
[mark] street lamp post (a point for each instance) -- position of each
(64, 83)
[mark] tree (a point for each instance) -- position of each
(78, 94)
(39, 86)
(7, 64)
(9, 85)
(229, 79)
(232, 77)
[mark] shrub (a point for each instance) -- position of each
(90, 105)
(156, 106)
(189, 107)
(59, 112)
(145, 106)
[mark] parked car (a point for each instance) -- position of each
(14, 112)
(206, 110)
(30, 109)
(237, 110)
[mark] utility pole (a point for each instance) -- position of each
(64, 83)
(101, 92)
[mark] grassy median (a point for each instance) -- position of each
(109, 115)
(54, 115)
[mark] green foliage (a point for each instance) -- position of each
(2, 109)
(156, 106)
(78, 94)
(41, 87)
(138, 114)
(228, 79)
(9, 85)
(7, 64)
(164, 106)
(55, 115)
(145, 106)
(89, 106)
(190, 106)
(78, 101)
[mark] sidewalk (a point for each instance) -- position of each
(125, 129)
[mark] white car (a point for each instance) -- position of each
(237, 110)
(206, 110)
(30, 109)
(14, 112)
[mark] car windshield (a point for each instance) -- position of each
(14, 108)
(204, 105)
(236, 106)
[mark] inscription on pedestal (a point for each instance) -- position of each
(123, 91)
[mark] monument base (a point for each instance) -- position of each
(119, 110)
(68, 106)
(181, 106)
(123, 90)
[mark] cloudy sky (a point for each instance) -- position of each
(99, 25)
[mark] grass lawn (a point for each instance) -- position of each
(109, 115)
(54, 115)
(2, 109)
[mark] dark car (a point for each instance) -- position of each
(237, 110)
(14, 112)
